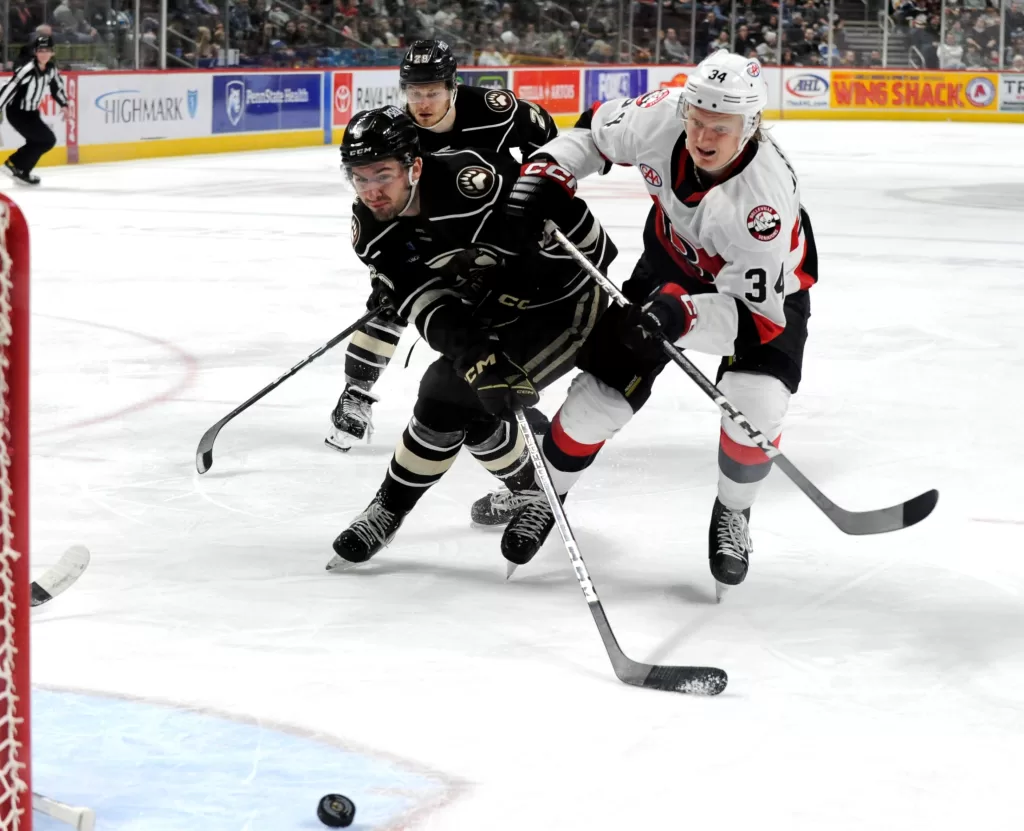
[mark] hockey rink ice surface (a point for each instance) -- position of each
(207, 673)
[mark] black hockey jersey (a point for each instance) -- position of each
(493, 119)
(454, 270)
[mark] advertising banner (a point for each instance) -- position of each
(491, 78)
(556, 90)
(666, 77)
(602, 85)
(1011, 93)
(372, 88)
(805, 89)
(142, 107)
(266, 101)
(341, 108)
(913, 90)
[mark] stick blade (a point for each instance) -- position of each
(919, 507)
(61, 576)
(692, 680)
(884, 520)
(204, 453)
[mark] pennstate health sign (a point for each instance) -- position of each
(266, 101)
(913, 90)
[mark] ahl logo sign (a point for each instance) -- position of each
(807, 85)
(980, 91)
(764, 223)
(650, 175)
(475, 182)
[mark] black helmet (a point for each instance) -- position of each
(42, 42)
(376, 135)
(427, 62)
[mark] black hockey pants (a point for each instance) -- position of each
(39, 138)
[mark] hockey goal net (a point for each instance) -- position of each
(15, 592)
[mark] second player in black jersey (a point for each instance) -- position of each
(431, 230)
(447, 116)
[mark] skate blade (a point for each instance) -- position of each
(721, 589)
(341, 448)
(510, 570)
(338, 564)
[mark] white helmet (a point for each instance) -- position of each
(728, 83)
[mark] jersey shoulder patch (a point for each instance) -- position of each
(499, 100)
(475, 181)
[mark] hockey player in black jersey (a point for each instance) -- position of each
(431, 229)
(448, 117)
(20, 98)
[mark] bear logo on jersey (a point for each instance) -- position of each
(650, 175)
(652, 98)
(764, 223)
(499, 100)
(355, 231)
(475, 182)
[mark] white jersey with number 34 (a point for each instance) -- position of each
(739, 242)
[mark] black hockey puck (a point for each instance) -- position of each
(336, 810)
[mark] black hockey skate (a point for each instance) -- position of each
(527, 529)
(21, 175)
(729, 546)
(369, 532)
(498, 507)
(351, 420)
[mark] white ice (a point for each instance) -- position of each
(875, 682)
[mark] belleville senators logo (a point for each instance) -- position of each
(764, 223)
(475, 182)
(652, 98)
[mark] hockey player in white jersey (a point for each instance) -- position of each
(728, 259)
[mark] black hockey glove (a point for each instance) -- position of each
(380, 295)
(669, 312)
(541, 192)
(500, 384)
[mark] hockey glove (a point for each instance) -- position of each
(541, 192)
(381, 295)
(669, 313)
(351, 419)
(500, 384)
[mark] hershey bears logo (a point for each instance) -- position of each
(355, 230)
(764, 223)
(475, 182)
(499, 100)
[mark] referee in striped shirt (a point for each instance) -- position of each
(21, 97)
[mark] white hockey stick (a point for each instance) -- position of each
(81, 819)
(61, 576)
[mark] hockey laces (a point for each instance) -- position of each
(357, 409)
(505, 500)
(535, 515)
(372, 525)
(733, 535)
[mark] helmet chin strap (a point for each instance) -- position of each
(412, 193)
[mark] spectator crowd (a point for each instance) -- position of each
(306, 33)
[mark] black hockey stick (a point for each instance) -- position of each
(697, 680)
(850, 522)
(204, 453)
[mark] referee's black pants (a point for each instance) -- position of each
(38, 137)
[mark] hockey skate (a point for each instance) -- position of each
(729, 547)
(351, 419)
(498, 507)
(21, 175)
(369, 532)
(527, 530)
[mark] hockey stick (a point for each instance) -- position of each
(81, 819)
(850, 522)
(204, 453)
(697, 680)
(62, 576)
